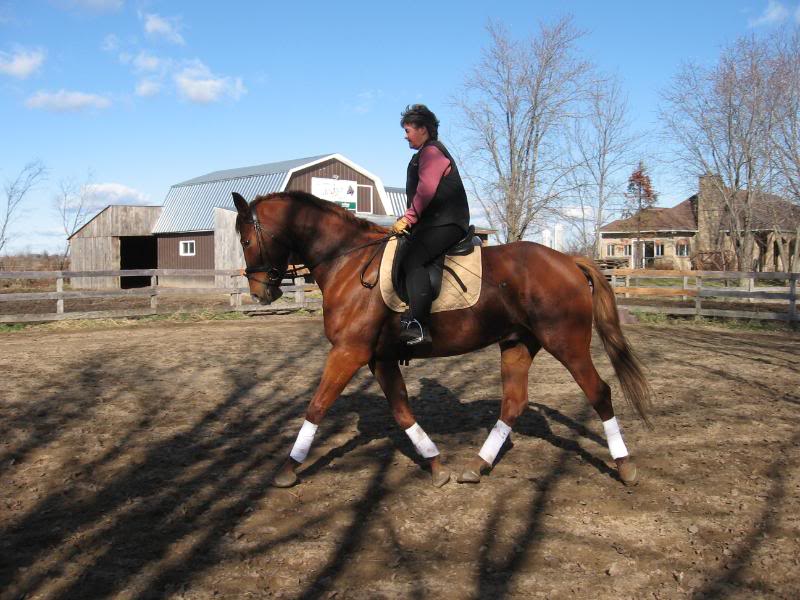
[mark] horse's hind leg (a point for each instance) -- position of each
(515, 362)
(391, 381)
(578, 361)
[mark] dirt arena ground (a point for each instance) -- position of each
(135, 461)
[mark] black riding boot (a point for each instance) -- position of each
(414, 328)
(413, 332)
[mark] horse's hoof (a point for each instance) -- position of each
(440, 478)
(628, 473)
(469, 476)
(284, 479)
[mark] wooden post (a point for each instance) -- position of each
(685, 285)
(698, 284)
(60, 301)
(236, 295)
(614, 283)
(793, 299)
(300, 291)
(627, 284)
(751, 284)
(154, 293)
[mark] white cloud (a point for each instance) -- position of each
(100, 195)
(110, 43)
(365, 100)
(196, 83)
(774, 13)
(163, 27)
(147, 62)
(22, 62)
(66, 101)
(147, 88)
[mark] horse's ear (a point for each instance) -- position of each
(241, 204)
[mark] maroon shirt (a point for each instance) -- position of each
(432, 167)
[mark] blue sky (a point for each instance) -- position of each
(144, 94)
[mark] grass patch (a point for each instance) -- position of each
(649, 318)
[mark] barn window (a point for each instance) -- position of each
(682, 249)
(628, 250)
(610, 250)
(187, 248)
(659, 249)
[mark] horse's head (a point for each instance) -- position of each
(267, 259)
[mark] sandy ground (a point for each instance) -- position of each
(135, 461)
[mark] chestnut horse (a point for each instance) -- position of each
(532, 298)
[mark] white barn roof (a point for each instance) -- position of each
(189, 205)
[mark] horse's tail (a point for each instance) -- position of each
(606, 320)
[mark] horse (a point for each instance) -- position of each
(532, 298)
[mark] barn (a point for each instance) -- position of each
(118, 237)
(195, 228)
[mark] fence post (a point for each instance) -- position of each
(793, 299)
(60, 301)
(698, 284)
(154, 293)
(300, 291)
(236, 295)
(685, 285)
(751, 284)
(627, 284)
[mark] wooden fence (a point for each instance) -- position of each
(298, 287)
(710, 287)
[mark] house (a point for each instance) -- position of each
(695, 234)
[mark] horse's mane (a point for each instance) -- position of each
(323, 205)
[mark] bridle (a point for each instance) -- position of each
(274, 276)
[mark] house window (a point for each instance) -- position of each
(682, 249)
(659, 249)
(610, 250)
(187, 248)
(628, 250)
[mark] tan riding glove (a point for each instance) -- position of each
(400, 226)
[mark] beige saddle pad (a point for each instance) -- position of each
(452, 296)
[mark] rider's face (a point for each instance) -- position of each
(416, 136)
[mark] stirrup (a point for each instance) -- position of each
(414, 333)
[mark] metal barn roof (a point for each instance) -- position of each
(397, 198)
(189, 205)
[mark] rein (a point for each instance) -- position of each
(274, 276)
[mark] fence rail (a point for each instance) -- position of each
(710, 286)
(298, 287)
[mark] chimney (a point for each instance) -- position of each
(710, 210)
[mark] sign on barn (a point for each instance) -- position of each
(340, 191)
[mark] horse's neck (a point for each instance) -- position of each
(322, 238)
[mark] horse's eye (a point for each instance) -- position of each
(245, 243)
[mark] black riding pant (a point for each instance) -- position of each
(425, 247)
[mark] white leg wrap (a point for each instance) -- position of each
(303, 443)
(424, 445)
(493, 443)
(614, 438)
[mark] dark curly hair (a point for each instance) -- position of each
(420, 115)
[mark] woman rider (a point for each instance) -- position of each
(437, 214)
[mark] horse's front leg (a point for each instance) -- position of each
(340, 366)
(394, 388)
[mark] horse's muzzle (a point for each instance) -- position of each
(269, 296)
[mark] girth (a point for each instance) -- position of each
(435, 269)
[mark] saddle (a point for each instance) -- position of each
(463, 247)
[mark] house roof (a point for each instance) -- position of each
(189, 205)
(677, 218)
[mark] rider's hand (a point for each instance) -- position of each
(400, 225)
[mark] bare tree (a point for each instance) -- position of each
(603, 145)
(73, 204)
(720, 120)
(15, 191)
(516, 107)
